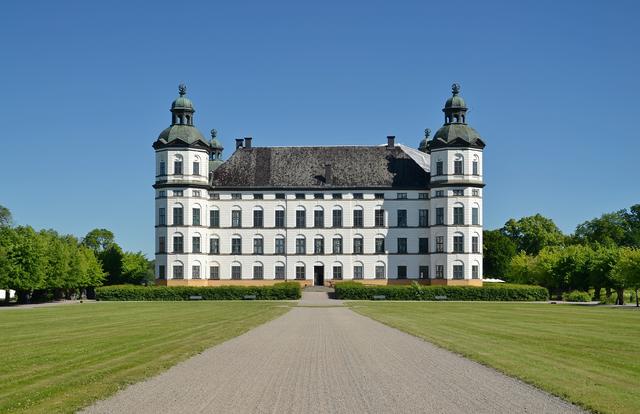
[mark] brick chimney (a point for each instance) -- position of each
(247, 142)
(239, 143)
(391, 141)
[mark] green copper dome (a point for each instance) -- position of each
(215, 143)
(182, 102)
(186, 133)
(455, 102)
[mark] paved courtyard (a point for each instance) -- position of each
(322, 357)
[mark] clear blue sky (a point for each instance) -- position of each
(86, 87)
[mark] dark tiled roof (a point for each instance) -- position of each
(303, 167)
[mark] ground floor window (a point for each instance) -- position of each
(236, 272)
(300, 272)
(402, 272)
(439, 272)
(280, 272)
(474, 272)
(379, 272)
(161, 272)
(214, 272)
(178, 272)
(458, 271)
(337, 272)
(258, 272)
(358, 272)
(424, 272)
(195, 272)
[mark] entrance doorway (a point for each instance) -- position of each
(318, 275)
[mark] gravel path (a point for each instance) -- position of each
(329, 360)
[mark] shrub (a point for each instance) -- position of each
(278, 291)
(576, 296)
(489, 292)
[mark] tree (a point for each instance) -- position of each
(498, 250)
(523, 269)
(531, 234)
(99, 240)
(600, 264)
(620, 228)
(5, 217)
(135, 268)
(627, 272)
(111, 260)
(27, 262)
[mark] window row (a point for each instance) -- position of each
(318, 246)
(178, 168)
(458, 166)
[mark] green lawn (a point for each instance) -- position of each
(61, 358)
(587, 355)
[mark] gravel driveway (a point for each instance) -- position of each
(329, 360)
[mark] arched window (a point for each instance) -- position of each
(300, 271)
(358, 217)
(318, 244)
(475, 243)
(458, 270)
(196, 270)
(280, 221)
(178, 243)
(214, 217)
(475, 214)
(318, 217)
(236, 271)
(336, 216)
(258, 271)
(475, 270)
(178, 214)
(236, 244)
(458, 214)
(196, 165)
(337, 271)
(358, 244)
(280, 271)
(258, 244)
(476, 165)
(336, 244)
(196, 245)
(458, 242)
(177, 164)
(236, 216)
(258, 217)
(381, 271)
(458, 164)
(214, 270)
(358, 270)
(301, 245)
(280, 244)
(177, 269)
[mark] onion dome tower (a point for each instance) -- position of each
(423, 144)
(215, 159)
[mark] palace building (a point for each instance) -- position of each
(379, 214)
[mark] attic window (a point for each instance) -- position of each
(257, 196)
(318, 196)
(336, 196)
(358, 196)
(300, 196)
(215, 196)
(236, 196)
(379, 196)
(279, 196)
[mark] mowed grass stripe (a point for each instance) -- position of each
(59, 359)
(588, 355)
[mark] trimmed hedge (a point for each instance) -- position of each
(278, 291)
(576, 296)
(488, 292)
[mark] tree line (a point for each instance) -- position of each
(45, 265)
(602, 253)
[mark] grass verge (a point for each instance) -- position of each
(59, 359)
(587, 355)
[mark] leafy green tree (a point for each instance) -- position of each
(99, 240)
(600, 264)
(5, 217)
(523, 269)
(620, 228)
(27, 262)
(627, 272)
(7, 242)
(135, 268)
(498, 250)
(531, 234)
(111, 260)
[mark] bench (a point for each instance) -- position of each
(249, 297)
(440, 298)
(379, 297)
(195, 297)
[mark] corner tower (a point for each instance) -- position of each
(456, 197)
(181, 184)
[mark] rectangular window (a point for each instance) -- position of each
(214, 196)
(280, 196)
(458, 244)
(196, 193)
(318, 246)
(423, 245)
(236, 272)
(423, 272)
(318, 196)
(279, 249)
(163, 169)
(258, 272)
(358, 196)
(162, 193)
(196, 216)
(439, 215)
(214, 246)
(474, 216)
(178, 217)
(178, 193)
(178, 272)
(177, 167)
(337, 245)
(358, 272)
(439, 168)
(379, 218)
(279, 273)
(358, 245)
(402, 272)
(258, 197)
(196, 168)
(439, 272)
(475, 168)
(318, 218)
(402, 196)
(380, 272)
(214, 218)
(195, 272)
(474, 244)
(236, 245)
(300, 273)
(378, 196)
(236, 218)
(402, 245)
(402, 218)
(162, 216)
(423, 196)
(458, 193)
(458, 215)
(258, 245)
(299, 196)
(162, 272)
(475, 274)
(439, 193)
(301, 218)
(475, 192)
(258, 218)
(162, 244)
(439, 244)
(423, 217)
(214, 272)
(195, 244)
(301, 247)
(337, 218)
(279, 219)
(358, 220)
(458, 272)
(178, 245)
(236, 196)
(457, 167)
(336, 196)
(337, 272)
(379, 245)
